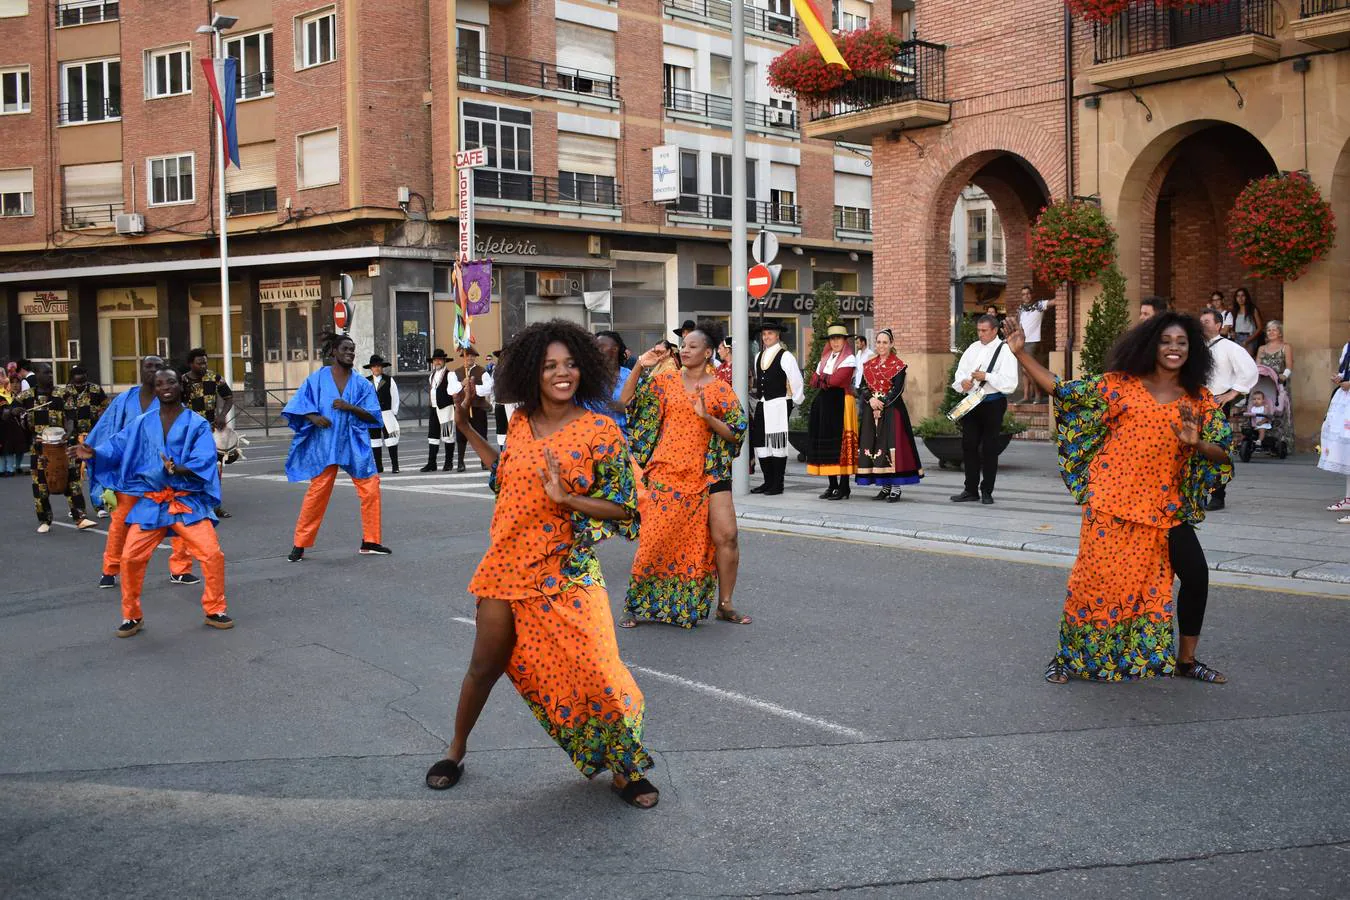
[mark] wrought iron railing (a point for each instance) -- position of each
(92, 214)
(715, 106)
(489, 185)
(259, 84)
(534, 73)
(1320, 7)
(918, 73)
(68, 14)
(852, 218)
(761, 20)
(718, 207)
(89, 111)
(1147, 27)
(246, 203)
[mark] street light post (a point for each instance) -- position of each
(740, 310)
(219, 25)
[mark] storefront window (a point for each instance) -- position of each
(131, 339)
(298, 337)
(45, 342)
(412, 313)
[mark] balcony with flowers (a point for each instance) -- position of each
(889, 84)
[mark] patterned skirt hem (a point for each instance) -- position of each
(830, 470)
(886, 480)
(677, 600)
(596, 745)
(1138, 648)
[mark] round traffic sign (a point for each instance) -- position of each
(339, 314)
(759, 281)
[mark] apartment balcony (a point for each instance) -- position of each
(1324, 23)
(758, 22)
(852, 223)
(573, 194)
(84, 12)
(715, 210)
(1148, 43)
(248, 203)
(100, 215)
(89, 111)
(714, 109)
(911, 94)
(516, 76)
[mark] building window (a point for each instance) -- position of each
(470, 41)
(168, 72)
(412, 309)
(252, 187)
(582, 187)
(712, 276)
(995, 238)
(689, 199)
(316, 159)
(169, 180)
(721, 188)
(787, 281)
(783, 206)
(45, 341)
(254, 53)
(508, 136)
(678, 81)
(16, 192)
(130, 339)
(86, 12)
(91, 91)
(247, 203)
(977, 237)
(842, 282)
(14, 96)
(91, 194)
(316, 38)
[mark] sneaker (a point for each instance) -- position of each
(129, 627)
(221, 513)
(86, 523)
(369, 547)
(296, 554)
(220, 620)
(187, 578)
(108, 581)
(102, 513)
(44, 527)
(1342, 506)
(1343, 520)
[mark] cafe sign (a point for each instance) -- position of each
(805, 304)
(43, 303)
(305, 289)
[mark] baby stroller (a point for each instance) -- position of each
(1256, 429)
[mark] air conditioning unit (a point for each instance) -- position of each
(130, 223)
(553, 287)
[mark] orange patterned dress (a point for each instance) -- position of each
(1135, 481)
(673, 579)
(566, 659)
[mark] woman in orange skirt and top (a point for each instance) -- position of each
(686, 428)
(563, 483)
(1140, 447)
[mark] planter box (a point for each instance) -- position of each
(947, 449)
(798, 441)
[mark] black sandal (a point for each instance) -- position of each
(1057, 672)
(634, 789)
(1200, 672)
(446, 769)
(628, 622)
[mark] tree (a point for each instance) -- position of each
(1107, 320)
(824, 314)
(966, 334)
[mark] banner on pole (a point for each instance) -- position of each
(222, 80)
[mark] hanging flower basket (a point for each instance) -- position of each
(1070, 241)
(1106, 10)
(803, 72)
(1280, 225)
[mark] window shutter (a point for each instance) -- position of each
(319, 158)
(852, 190)
(16, 181)
(585, 48)
(589, 155)
(858, 8)
(98, 184)
(782, 177)
(258, 168)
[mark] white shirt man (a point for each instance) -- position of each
(1030, 315)
(986, 365)
(862, 353)
(1232, 375)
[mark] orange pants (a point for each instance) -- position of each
(316, 504)
(200, 540)
(180, 561)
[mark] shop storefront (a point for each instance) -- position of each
(45, 318)
(206, 329)
(128, 329)
(290, 330)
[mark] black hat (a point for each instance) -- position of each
(686, 326)
(769, 326)
(376, 360)
(440, 354)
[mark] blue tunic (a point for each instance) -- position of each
(135, 454)
(346, 443)
(615, 409)
(120, 414)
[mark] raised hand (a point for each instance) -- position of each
(169, 465)
(1188, 431)
(1013, 335)
(551, 476)
(699, 406)
(653, 357)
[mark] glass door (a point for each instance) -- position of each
(129, 339)
(290, 346)
(209, 337)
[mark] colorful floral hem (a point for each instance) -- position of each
(677, 600)
(1139, 648)
(598, 743)
(886, 480)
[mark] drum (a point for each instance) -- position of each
(968, 402)
(53, 440)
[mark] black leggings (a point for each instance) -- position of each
(1190, 565)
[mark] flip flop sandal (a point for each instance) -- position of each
(447, 769)
(634, 789)
(1200, 672)
(1057, 672)
(628, 622)
(727, 614)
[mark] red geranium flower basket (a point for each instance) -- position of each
(1106, 10)
(1070, 241)
(803, 72)
(1280, 225)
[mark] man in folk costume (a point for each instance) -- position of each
(832, 427)
(43, 406)
(386, 433)
(166, 466)
(476, 379)
(776, 382)
(442, 387)
(86, 402)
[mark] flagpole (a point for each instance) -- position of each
(226, 337)
(740, 311)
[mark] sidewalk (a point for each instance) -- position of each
(1275, 525)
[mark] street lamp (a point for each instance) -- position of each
(219, 25)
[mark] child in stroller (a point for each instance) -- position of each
(1260, 416)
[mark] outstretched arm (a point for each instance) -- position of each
(1016, 341)
(486, 452)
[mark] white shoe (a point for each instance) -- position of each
(44, 528)
(86, 523)
(1342, 506)
(1343, 520)
(103, 514)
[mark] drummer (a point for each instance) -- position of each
(85, 403)
(207, 394)
(45, 409)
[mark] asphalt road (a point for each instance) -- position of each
(881, 730)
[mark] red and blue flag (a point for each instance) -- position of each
(222, 79)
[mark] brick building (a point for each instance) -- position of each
(1161, 115)
(349, 118)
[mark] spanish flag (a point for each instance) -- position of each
(819, 31)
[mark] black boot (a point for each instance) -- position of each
(393, 460)
(449, 458)
(463, 451)
(379, 458)
(843, 491)
(832, 489)
(431, 458)
(773, 467)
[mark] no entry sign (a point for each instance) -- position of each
(759, 281)
(340, 315)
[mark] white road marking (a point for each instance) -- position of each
(420, 486)
(104, 534)
(736, 697)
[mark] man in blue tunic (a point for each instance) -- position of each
(331, 415)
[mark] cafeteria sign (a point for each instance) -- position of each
(307, 289)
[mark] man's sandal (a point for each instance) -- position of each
(444, 774)
(1200, 672)
(1057, 672)
(727, 614)
(631, 791)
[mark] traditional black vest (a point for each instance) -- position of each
(442, 394)
(382, 392)
(771, 383)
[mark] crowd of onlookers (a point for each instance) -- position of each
(15, 441)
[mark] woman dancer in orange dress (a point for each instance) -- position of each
(563, 483)
(685, 428)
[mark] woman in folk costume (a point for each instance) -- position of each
(563, 483)
(1335, 455)
(887, 454)
(386, 433)
(685, 429)
(832, 427)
